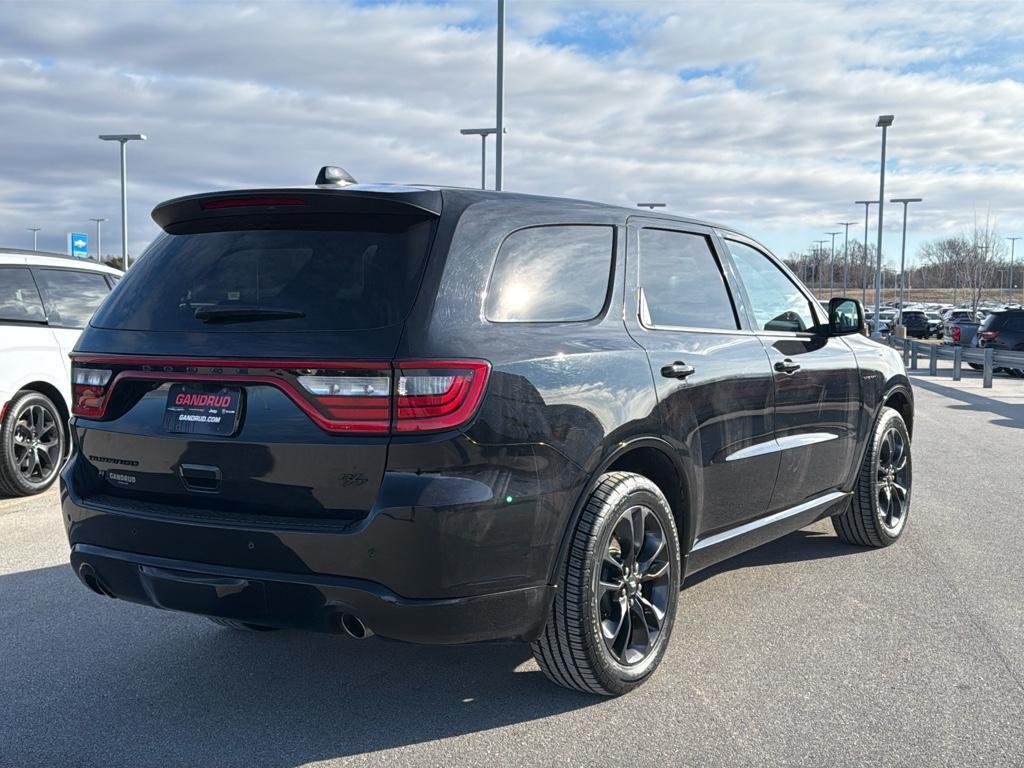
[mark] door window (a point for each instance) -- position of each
(682, 282)
(19, 297)
(777, 304)
(72, 296)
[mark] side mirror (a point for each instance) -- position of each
(845, 316)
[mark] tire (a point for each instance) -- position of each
(32, 440)
(877, 515)
(586, 644)
(241, 626)
(977, 366)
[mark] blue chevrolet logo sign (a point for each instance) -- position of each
(78, 245)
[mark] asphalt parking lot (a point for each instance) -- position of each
(804, 652)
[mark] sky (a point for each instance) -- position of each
(760, 115)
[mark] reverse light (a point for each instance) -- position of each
(89, 390)
(357, 401)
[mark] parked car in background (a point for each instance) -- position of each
(916, 323)
(1004, 331)
(934, 323)
(959, 332)
(446, 415)
(45, 301)
(884, 326)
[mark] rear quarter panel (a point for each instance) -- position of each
(560, 395)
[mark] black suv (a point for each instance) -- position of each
(1004, 331)
(448, 415)
(916, 323)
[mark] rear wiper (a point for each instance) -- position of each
(241, 314)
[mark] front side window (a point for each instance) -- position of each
(682, 283)
(72, 296)
(19, 297)
(551, 274)
(777, 304)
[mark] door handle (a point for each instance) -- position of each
(787, 366)
(678, 370)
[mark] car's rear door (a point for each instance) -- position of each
(713, 380)
(28, 346)
(817, 384)
(71, 296)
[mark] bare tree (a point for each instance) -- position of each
(977, 269)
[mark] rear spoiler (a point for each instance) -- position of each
(184, 212)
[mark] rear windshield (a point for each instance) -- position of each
(336, 273)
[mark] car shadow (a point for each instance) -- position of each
(1010, 414)
(805, 544)
(89, 681)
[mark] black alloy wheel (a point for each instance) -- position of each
(633, 582)
(615, 603)
(31, 445)
(877, 513)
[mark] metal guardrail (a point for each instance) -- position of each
(989, 358)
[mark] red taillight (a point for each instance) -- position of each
(349, 397)
(988, 335)
(955, 333)
(437, 395)
(89, 390)
(248, 202)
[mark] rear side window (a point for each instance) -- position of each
(338, 273)
(777, 303)
(682, 282)
(19, 297)
(72, 296)
(551, 274)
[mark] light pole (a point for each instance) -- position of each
(123, 139)
(35, 237)
(821, 272)
(864, 265)
(846, 254)
(832, 267)
(499, 148)
(99, 238)
(903, 248)
(652, 206)
(483, 133)
(884, 121)
(1013, 244)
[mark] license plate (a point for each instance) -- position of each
(203, 410)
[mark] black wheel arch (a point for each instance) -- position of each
(655, 459)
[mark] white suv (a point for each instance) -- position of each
(45, 301)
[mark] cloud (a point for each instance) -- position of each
(756, 114)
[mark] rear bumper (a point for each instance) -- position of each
(308, 602)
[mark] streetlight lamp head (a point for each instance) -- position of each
(652, 206)
(122, 137)
(884, 121)
(906, 200)
(865, 202)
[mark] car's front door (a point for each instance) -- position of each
(713, 380)
(817, 383)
